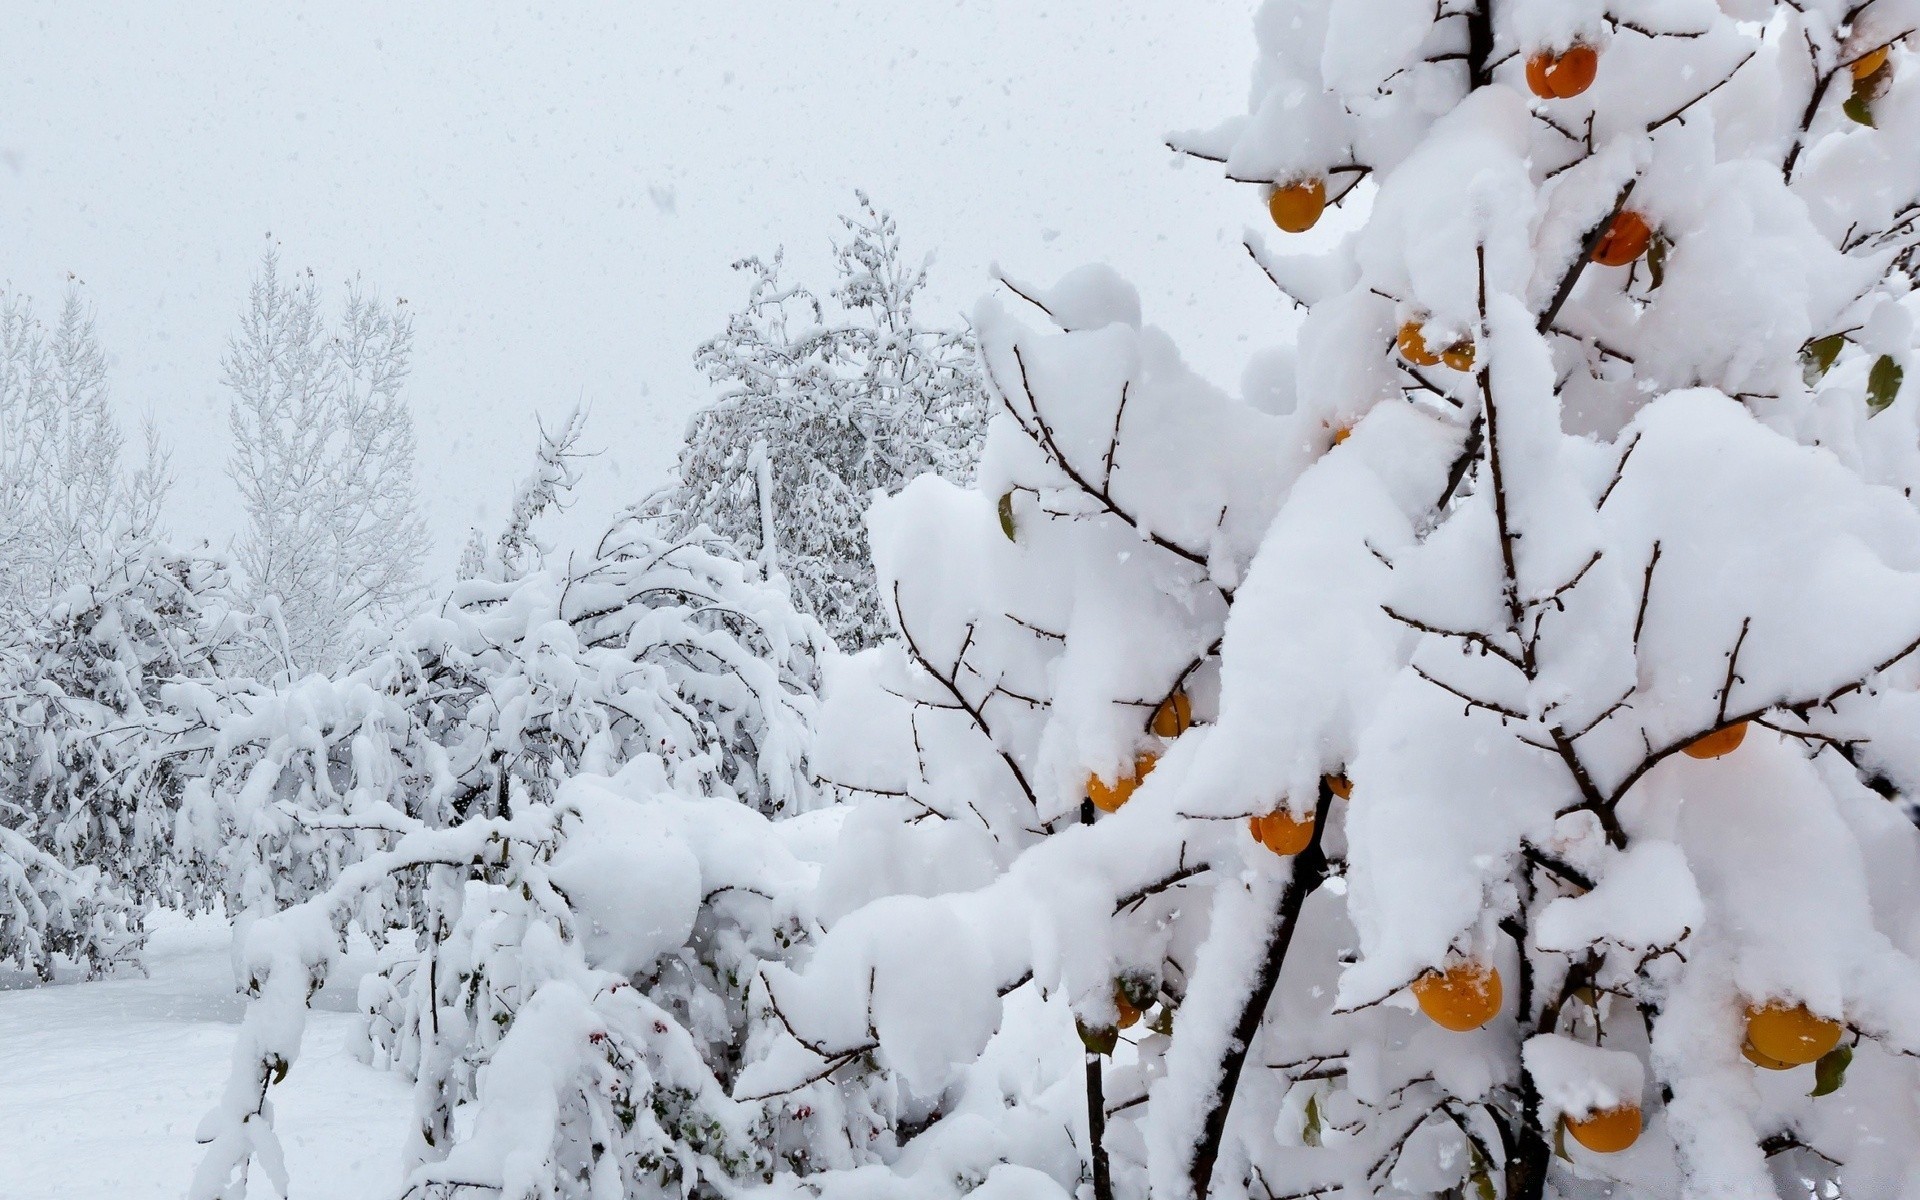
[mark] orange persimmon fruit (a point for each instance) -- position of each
(1607, 1132)
(1625, 240)
(1719, 743)
(1296, 207)
(1109, 797)
(1462, 997)
(1562, 76)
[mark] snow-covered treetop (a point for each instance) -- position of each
(818, 410)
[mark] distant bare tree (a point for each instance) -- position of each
(323, 457)
(62, 491)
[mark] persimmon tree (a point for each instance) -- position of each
(1548, 610)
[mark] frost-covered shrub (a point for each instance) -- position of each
(1592, 458)
(98, 759)
(587, 951)
(818, 410)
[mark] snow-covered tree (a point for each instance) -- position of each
(63, 489)
(99, 753)
(821, 406)
(95, 760)
(323, 451)
(560, 791)
(1548, 611)
(518, 549)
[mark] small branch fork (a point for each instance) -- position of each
(949, 683)
(1042, 435)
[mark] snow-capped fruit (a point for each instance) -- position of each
(1174, 716)
(1296, 207)
(1097, 1039)
(1109, 798)
(1625, 240)
(1459, 356)
(1553, 76)
(1868, 63)
(1340, 786)
(1413, 346)
(1129, 1015)
(1760, 1060)
(1341, 434)
(1719, 743)
(1790, 1033)
(1463, 997)
(1607, 1132)
(1282, 832)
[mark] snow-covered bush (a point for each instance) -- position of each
(96, 761)
(819, 410)
(1548, 611)
(559, 788)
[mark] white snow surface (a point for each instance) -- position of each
(105, 1081)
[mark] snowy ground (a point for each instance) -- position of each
(102, 1084)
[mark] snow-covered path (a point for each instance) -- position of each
(102, 1084)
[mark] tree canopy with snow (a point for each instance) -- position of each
(822, 405)
(65, 493)
(1478, 759)
(1546, 615)
(323, 450)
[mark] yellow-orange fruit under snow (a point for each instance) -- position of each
(1296, 207)
(1760, 1060)
(1867, 64)
(1174, 717)
(1607, 1132)
(1459, 356)
(1553, 76)
(1465, 996)
(1109, 798)
(1281, 832)
(1625, 240)
(1413, 346)
(1719, 743)
(1790, 1033)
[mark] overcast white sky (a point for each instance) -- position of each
(558, 190)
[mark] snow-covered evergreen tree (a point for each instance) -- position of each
(1548, 611)
(323, 450)
(820, 407)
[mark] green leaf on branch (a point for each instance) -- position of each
(1831, 1071)
(1657, 259)
(1162, 1021)
(1006, 515)
(1310, 1133)
(1560, 1141)
(1860, 108)
(1818, 356)
(1482, 1176)
(1883, 384)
